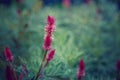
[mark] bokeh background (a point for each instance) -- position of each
(86, 29)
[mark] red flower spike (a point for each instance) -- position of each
(47, 42)
(81, 70)
(50, 55)
(118, 65)
(8, 54)
(9, 74)
(82, 65)
(50, 27)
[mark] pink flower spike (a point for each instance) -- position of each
(81, 70)
(47, 42)
(50, 55)
(8, 54)
(82, 65)
(8, 73)
(118, 65)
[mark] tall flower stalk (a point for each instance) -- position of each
(10, 58)
(47, 45)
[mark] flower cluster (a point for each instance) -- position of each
(9, 70)
(47, 45)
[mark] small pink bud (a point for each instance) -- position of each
(81, 70)
(8, 54)
(47, 42)
(50, 55)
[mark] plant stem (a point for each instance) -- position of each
(45, 53)
(46, 64)
(42, 63)
(14, 73)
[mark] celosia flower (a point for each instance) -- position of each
(50, 55)
(9, 74)
(8, 54)
(47, 42)
(118, 65)
(50, 27)
(81, 70)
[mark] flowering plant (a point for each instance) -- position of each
(48, 54)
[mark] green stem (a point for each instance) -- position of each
(42, 63)
(45, 54)
(46, 64)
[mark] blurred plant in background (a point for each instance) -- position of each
(89, 32)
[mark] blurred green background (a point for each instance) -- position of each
(88, 31)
